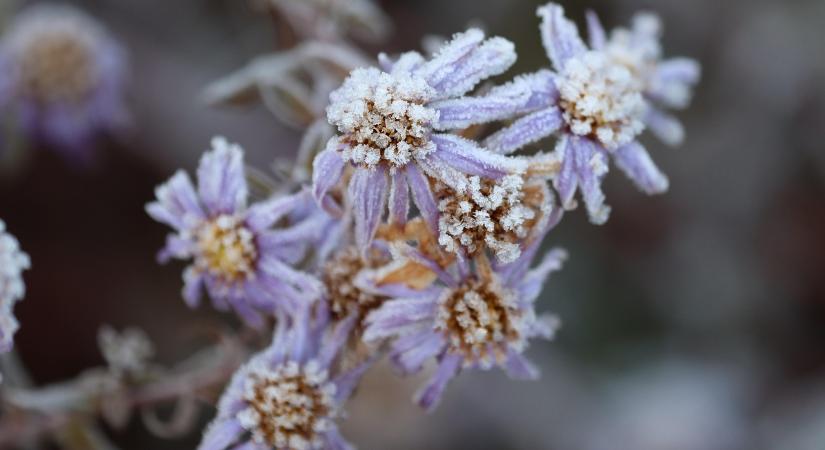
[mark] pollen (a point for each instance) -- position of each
(601, 99)
(226, 249)
(288, 406)
(383, 118)
(491, 214)
(345, 297)
(481, 320)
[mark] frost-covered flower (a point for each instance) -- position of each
(496, 215)
(392, 126)
(477, 319)
(63, 77)
(238, 254)
(13, 262)
(126, 352)
(599, 103)
(288, 396)
(664, 83)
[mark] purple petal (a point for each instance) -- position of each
(221, 179)
(368, 194)
(327, 169)
(493, 57)
(409, 353)
(430, 395)
(423, 196)
(250, 316)
(595, 30)
(672, 82)
(566, 180)
(591, 167)
(635, 162)
(177, 203)
(442, 65)
(220, 435)
(394, 317)
(335, 340)
(530, 286)
(666, 127)
(559, 35)
(467, 157)
(308, 284)
(524, 131)
(264, 214)
(407, 62)
(519, 368)
(399, 198)
(192, 286)
(176, 247)
(334, 441)
(524, 94)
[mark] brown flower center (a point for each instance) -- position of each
(57, 67)
(227, 249)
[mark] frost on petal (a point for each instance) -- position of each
(567, 180)
(368, 194)
(399, 204)
(221, 180)
(493, 57)
(524, 131)
(221, 434)
(442, 65)
(519, 368)
(591, 167)
(406, 63)
(467, 157)
(177, 203)
(423, 197)
(559, 35)
(327, 169)
(13, 262)
(524, 94)
(636, 163)
(673, 80)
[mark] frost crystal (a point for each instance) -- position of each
(601, 99)
(226, 249)
(13, 262)
(382, 117)
(495, 215)
(288, 406)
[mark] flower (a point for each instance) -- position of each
(289, 395)
(13, 262)
(63, 77)
(664, 83)
(478, 319)
(237, 254)
(392, 124)
(126, 352)
(494, 215)
(600, 100)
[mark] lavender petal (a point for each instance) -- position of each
(368, 193)
(524, 131)
(636, 163)
(559, 35)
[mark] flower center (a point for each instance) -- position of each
(338, 277)
(226, 249)
(383, 117)
(481, 321)
(287, 407)
(56, 66)
(492, 214)
(601, 100)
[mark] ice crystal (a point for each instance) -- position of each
(13, 262)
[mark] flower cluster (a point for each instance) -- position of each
(13, 262)
(63, 78)
(417, 236)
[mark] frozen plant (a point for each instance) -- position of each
(13, 262)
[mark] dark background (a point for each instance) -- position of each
(693, 320)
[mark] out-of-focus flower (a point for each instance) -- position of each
(479, 318)
(600, 103)
(392, 125)
(13, 262)
(238, 254)
(288, 396)
(664, 83)
(333, 19)
(63, 78)
(125, 352)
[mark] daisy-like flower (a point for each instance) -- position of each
(498, 216)
(13, 262)
(393, 124)
(664, 83)
(288, 396)
(477, 319)
(241, 254)
(63, 77)
(600, 104)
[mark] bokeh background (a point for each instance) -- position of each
(692, 321)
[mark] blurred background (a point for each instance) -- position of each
(692, 321)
